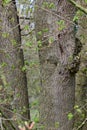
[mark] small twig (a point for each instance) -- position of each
(27, 33)
(1, 123)
(6, 118)
(82, 124)
(84, 10)
(56, 15)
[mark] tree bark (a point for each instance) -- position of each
(81, 78)
(59, 62)
(12, 62)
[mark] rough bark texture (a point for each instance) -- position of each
(58, 60)
(12, 62)
(81, 78)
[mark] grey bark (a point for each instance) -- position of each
(12, 62)
(81, 78)
(59, 62)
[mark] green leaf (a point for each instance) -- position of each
(5, 2)
(85, 1)
(14, 43)
(39, 43)
(51, 5)
(75, 18)
(56, 124)
(26, 27)
(24, 68)
(51, 40)
(61, 24)
(13, 67)
(36, 119)
(26, 62)
(70, 116)
(12, 20)
(28, 44)
(5, 35)
(45, 5)
(76, 107)
(35, 103)
(3, 64)
(79, 110)
(45, 30)
(39, 33)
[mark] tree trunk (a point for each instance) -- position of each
(81, 78)
(13, 76)
(59, 62)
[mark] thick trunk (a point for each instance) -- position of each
(58, 60)
(12, 61)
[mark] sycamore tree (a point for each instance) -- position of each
(59, 62)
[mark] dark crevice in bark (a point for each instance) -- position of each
(14, 2)
(52, 59)
(78, 47)
(74, 65)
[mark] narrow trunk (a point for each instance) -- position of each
(12, 62)
(81, 78)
